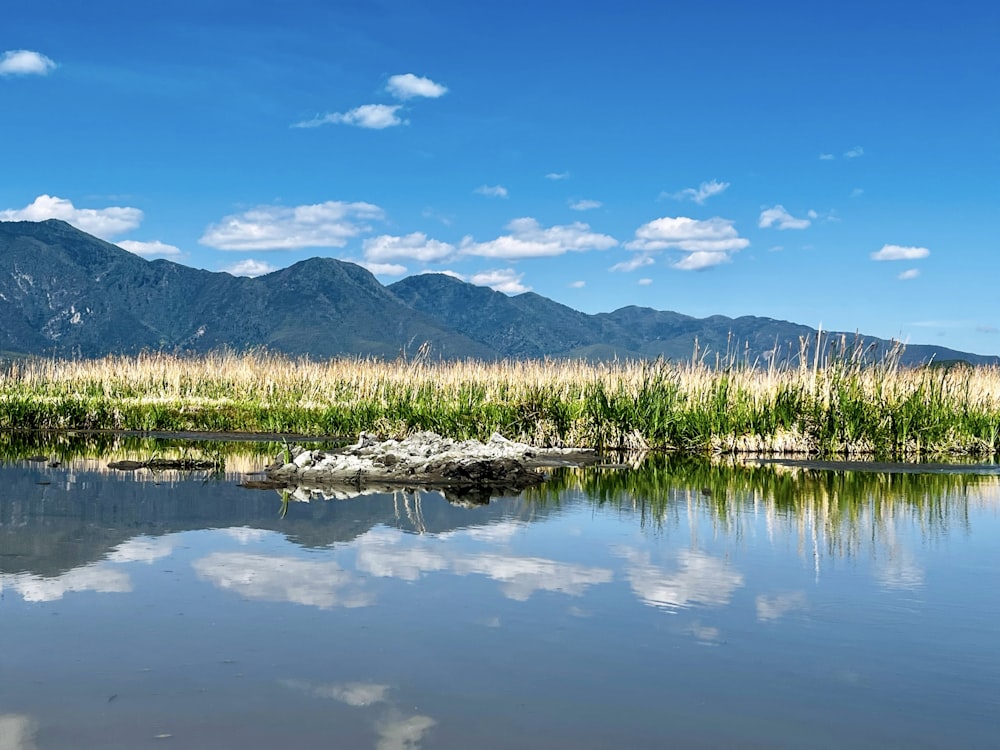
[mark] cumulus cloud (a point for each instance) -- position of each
(505, 280)
(403, 733)
(415, 246)
(645, 282)
(371, 116)
(383, 269)
(321, 584)
(779, 218)
(708, 243)
(492, 191)
(23, 62)
(143, 549)
(577, 284)
(701, 259)
(899, 252)
(854, 153)
(408, 86)
(250, 267)
(556, 176)
(100, 222)
(154, 249)
(358, 694)
(101, 578)
(329, 224)
(18, 732)
(701, 193)
(528, 239)
(699, 580)
(771, 608)
(910, 273)
(585, 205)
(523, 576)
(827, 157)
(635, 262)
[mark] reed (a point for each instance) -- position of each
(830, 405)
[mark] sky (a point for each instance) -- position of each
(831, 164)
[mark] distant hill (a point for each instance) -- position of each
(66, 293)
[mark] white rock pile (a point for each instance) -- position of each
(425, 459)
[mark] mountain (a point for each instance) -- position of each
(529, 325)
(66, 293)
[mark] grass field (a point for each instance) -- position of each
(837, 407)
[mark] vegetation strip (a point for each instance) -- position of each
(840, 407)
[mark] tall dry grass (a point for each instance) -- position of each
(840, 405)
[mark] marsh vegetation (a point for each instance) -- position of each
(841, 406)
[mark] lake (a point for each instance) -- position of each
(674, 603)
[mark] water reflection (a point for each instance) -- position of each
(17, 732)
(696, 579)
(672, 603)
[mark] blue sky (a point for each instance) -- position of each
(833, 164)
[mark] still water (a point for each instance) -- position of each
(676, 604)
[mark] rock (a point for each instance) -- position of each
(426, 459)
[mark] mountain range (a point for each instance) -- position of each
(66, 293)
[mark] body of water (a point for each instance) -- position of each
(677, 604)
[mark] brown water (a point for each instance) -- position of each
(676, 605)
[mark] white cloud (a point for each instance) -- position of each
(18, 732)
(910, 273)
(21, 62)
(414, 246)
(636, 261)
(645, 282)
(155, 249)
(585, 205)
(246, 535)
(492, 191)
(322, 584)
(701, 259)
(101, 578)
(899, 570)
(854, 153)
(523, 576)
(358, 694)
(701, 193)
(770, 608)
(690, 235)
(371, 116)
(100, 222)
(827, 157)
(857, 192)
(504, 280)
(779, 218)
(329, 224)
(403, 734)
(250, 267)
(556, 176)
(143, 549)
(408, 86)
(898, 252)
(700, 579)
(382, 269)
(577, 284)
(528, 239)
